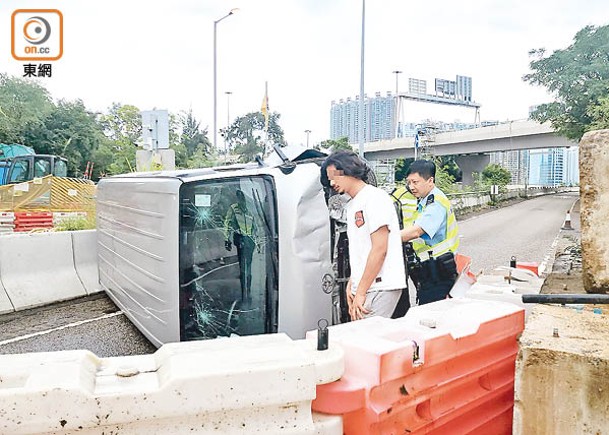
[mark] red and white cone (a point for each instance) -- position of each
(567, 224)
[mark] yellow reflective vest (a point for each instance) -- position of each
(450, 241)
(238, 221)
(408, 204)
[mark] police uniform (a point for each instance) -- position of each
(239, 224)
(436, 247)
(406, 203)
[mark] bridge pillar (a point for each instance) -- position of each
(472, 163)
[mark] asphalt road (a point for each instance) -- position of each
(525, 230)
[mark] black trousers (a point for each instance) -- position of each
(245, 251)
(432, 291)
(437, 277)
(403, 304)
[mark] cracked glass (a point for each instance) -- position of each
(228, 258)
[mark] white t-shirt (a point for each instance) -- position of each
(370, 210)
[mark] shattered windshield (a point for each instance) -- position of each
(228, 258)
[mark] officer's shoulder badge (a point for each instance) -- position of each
(430, 199)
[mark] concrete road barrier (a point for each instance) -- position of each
(257, 384)
(562, 372)
(84, 244)
(5, 303)
(38, 269)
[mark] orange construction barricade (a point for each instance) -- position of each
(445, 368)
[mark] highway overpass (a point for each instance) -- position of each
(472, 147)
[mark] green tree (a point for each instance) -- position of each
(71, 132)
(444, 180)
(599, 114)
(122, 127)
(191, 144)
(578, 76)
(123, 123)
(451, 167)
(496, 174)
(401, 168)
(246, 134)
(193, 138)
(24, 106)
(335, 144)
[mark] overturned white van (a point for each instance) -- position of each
(173, 259)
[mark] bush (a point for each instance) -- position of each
(75, 223)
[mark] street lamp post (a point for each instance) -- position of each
(228, 94)
(361, 85)
(307, 132)
(397, 103)
(232, 11)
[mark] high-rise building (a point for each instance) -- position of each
(381, 120)
(516, 162)
(417, 86)
(464, 88)
(572, 166)
(551, 171)
(554, 166)
(379, 114)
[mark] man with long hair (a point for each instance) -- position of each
(375, 249)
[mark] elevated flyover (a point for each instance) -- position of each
(513, 135)
(473, 146)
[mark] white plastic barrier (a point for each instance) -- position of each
(7, 222)
(257, 384)
(497, 293)
(523, 280)
(497, 287)
(38, 269)
(84, 244)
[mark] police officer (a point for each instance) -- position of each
(239, 228)
(406, 206)
(433, 233)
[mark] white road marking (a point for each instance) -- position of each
(548, 257)
(59, 328)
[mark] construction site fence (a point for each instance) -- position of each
(49, 194)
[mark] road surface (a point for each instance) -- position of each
(525, 230)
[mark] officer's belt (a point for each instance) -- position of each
(425, 255)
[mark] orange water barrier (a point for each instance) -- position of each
(533, 266)
(26, 221)
(445, 368)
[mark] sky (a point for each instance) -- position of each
(159, 54)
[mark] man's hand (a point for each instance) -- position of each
(228, 245)
(349, 296)
(357, 309)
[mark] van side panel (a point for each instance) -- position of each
(137, 221)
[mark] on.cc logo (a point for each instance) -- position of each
(36, 30)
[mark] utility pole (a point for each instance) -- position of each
(228, 94)
(397, 103)
(215, 135)
(361, 85)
